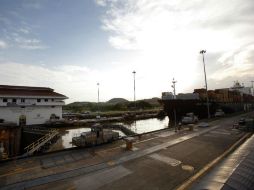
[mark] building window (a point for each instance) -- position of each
(22, 100)
(52, 100)
(38, 100)
(38, 115)
(5, 100)
(46, 100)
(52, 106)
(14, 100)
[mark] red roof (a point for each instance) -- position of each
(28, 91)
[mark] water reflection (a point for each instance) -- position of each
(67, 137)
(140, 126)
(65, 140)
(147, 125)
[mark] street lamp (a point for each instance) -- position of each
(174, 90)
(98, 97)
(252, 87)
(207, 99)
(134, 77)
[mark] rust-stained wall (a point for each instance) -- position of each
(10, 137)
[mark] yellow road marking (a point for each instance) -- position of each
(189, 181)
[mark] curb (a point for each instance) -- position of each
(201, 172)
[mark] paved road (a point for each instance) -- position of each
(235, 172)
(158, 161)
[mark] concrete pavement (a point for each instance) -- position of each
(162, 160)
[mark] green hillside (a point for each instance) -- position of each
(114, 104)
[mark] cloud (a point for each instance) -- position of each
(76, 82)
(101, 2)
(73, 81)
(3, 44)
(79, 82)
(238, 63)
(31, 44)
(168, 35)
(19, 33)
(24, 30)
(32, 4)
(138, 22)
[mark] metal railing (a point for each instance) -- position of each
(30, 149)
(35, 129)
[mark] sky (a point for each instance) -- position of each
(71, 46)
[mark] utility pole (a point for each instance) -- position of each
(174, 91)
(134, 77)
(207, 99)
(98, 98)
(252, 87)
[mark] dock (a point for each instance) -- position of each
(81, 122)
(159, 160)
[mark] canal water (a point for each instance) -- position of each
(139, 127)
(147, 125)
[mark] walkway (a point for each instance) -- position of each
(235, 172)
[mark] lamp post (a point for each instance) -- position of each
(252, 87)
(98, 98)
(207, 99)
(174, 91)
(134, 77)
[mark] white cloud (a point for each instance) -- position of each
(69, 80)
(101, 2)
(27, 43)
(3, 45)
(168, 35)
(76, 82)
(144, 22)
(19, 33)
(24, 30)
(239, 64)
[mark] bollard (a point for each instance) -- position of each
(191, 127)
(129, 142)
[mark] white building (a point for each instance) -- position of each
(29, 105)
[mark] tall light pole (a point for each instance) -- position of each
(252, 87)
(98, 97)
(134, 77)
(207, 99)
(174, 91)
(174, 87)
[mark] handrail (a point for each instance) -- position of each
(40, 129)
(45, 138)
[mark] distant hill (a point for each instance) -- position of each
(115, 104)
(79, 104)
(117, 100)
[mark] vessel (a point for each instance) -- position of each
(229, 100)
(96, 136)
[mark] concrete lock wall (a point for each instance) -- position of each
(33, 115)
(10, 137)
